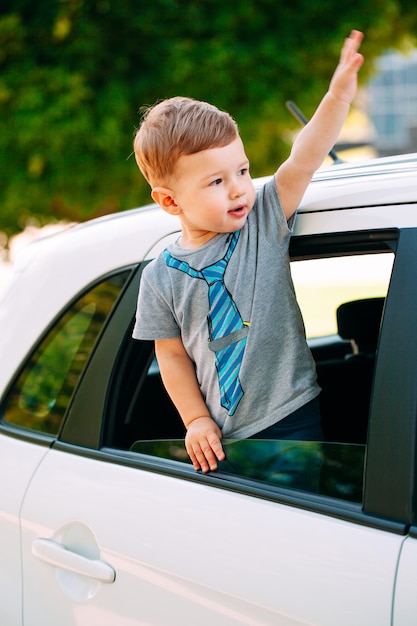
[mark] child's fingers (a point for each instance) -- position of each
(351, 45)
(216, 446)
(356, 37)
(203, 457)
(203, 444)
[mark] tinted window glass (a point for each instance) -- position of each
(39, 398)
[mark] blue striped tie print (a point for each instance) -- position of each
(223, 320)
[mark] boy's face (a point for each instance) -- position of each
(212, 192)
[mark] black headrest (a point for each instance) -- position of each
(360, 320)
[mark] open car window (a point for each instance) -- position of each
(322, 285)
(341, 291)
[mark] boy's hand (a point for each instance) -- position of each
(203, 445)
(345, 78)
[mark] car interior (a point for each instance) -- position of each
(346, 382)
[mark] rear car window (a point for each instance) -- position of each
(41, 394)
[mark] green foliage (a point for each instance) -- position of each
(75, 73)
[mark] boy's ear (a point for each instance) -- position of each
(165, 198)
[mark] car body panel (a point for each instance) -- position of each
(164, 580)
(351, 189)
(358, 219)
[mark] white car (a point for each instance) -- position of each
(104, 521)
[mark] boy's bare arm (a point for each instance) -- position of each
(318, 137)
(203, 436)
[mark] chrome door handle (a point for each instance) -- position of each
(57, 554)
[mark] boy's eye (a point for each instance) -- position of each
(216, 182)
(243, 171)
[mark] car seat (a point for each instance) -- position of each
(347, 382)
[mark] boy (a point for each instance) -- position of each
(219, 303)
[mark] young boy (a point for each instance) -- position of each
(219, 303)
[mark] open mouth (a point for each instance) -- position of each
(238, 211)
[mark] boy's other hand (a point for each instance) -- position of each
(203, 444)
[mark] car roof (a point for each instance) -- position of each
(388, 180)
(354, 184)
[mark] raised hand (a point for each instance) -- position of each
(345, 78)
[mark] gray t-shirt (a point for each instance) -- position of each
(277, 374)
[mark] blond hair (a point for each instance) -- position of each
(176, 127)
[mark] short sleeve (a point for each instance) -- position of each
(154, 312)
(270, 213)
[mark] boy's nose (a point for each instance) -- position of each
(237, 189)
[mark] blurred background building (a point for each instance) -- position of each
(391, 103)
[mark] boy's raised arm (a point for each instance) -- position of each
(318, 137)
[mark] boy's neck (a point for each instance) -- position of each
(195, 240)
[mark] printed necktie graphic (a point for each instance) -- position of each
(227, 331)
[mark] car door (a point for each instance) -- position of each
(115, 533)
(187, 551)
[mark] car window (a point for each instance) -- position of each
(41, 394)
(334, 470)
(144, 420)
(342, 300)
(322, 285)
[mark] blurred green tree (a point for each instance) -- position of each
(74, 74)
